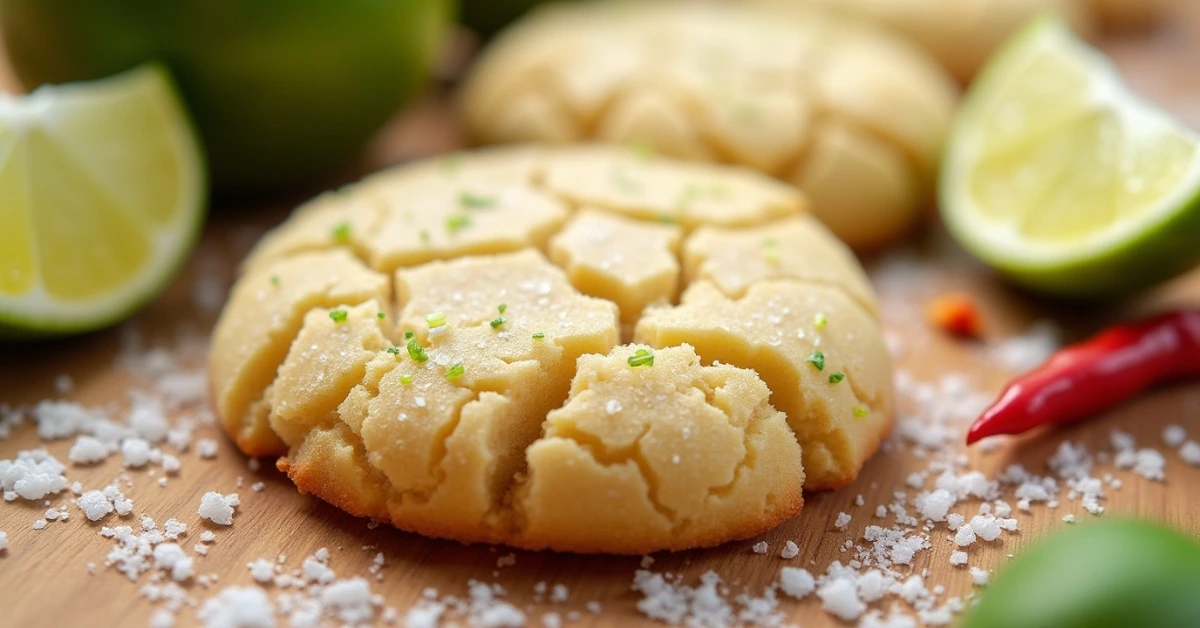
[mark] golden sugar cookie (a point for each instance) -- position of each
(472, 384)
(853, 115)
(959, 34)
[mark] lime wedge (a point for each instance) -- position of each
(1062, 178)
(102, 195)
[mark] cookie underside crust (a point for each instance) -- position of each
(464, 377)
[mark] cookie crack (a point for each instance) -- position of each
(605, 456)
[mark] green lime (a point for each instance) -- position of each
(485, 17)
(1062, 178)
(102, 196)
(281, 90)
(1105, 574)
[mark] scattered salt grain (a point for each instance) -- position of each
(1068, 518)
(135, 452)
(559, 594)
(759, 547)
(263, 571)
(34, 474)
(1146, 462)
(958, 558)
(95, 505)
(206, 448)
(39, 524)
(348, 600)
(934, 506)
(171, 558)
(87, 450)
(985, 527)
(965, 535)
(238, 607)
(796, 582)
(839, 598)
(980, 576)
(790, 550)
(1174, 435)
(3, 540)
(842, 521)
(1190, 453)
(593, 607)
(218, 508)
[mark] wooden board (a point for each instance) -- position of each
(43, 574)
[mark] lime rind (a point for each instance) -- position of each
(1134, 251)
(37, 314)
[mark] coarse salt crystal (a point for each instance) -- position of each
(965, 535)
(262, 570)
(238, 607)
(216, 508)
(135, 452)
(842, 521)
(1190, 453)
(759, 547)
(95, 505)
(934, 506)
(790, 550)
(986, 527)
(87, 450)
(1068, 518)
(980, 576)
(796, 582)
(958, 558)
(840, 599)
(206, 448)
(1174, 435)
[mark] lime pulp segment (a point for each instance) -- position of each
(1056, 171)
(101, 197)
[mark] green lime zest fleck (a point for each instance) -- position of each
(425, 237)
(475, 201)
(406, 379)
(666, 219)
(416, 351)
(341, 232)
(496, 322)
(275, 280)
(451, 162)
(817, 359)
(539, 336)
(771, 250)
(861, 412)
(457, 223)
(687, 196)
(641, 357)
(642, 150)
(502, 308)
(338, 316)
(393, 350)
(408, 335)
(455, 371)
(435, 319)
(836, 377)
(380, 315)
(820, 320)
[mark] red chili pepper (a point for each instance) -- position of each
(1094, 375)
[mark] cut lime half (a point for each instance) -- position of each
(102, 195)
(1062, 178)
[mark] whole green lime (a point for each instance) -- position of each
(1116, 573)
(485, 17)
(281, 90)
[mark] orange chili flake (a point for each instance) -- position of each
(956, 314)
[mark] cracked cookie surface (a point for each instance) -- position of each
(852, 114)
(472, 384)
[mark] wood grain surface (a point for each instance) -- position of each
(44, 580)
